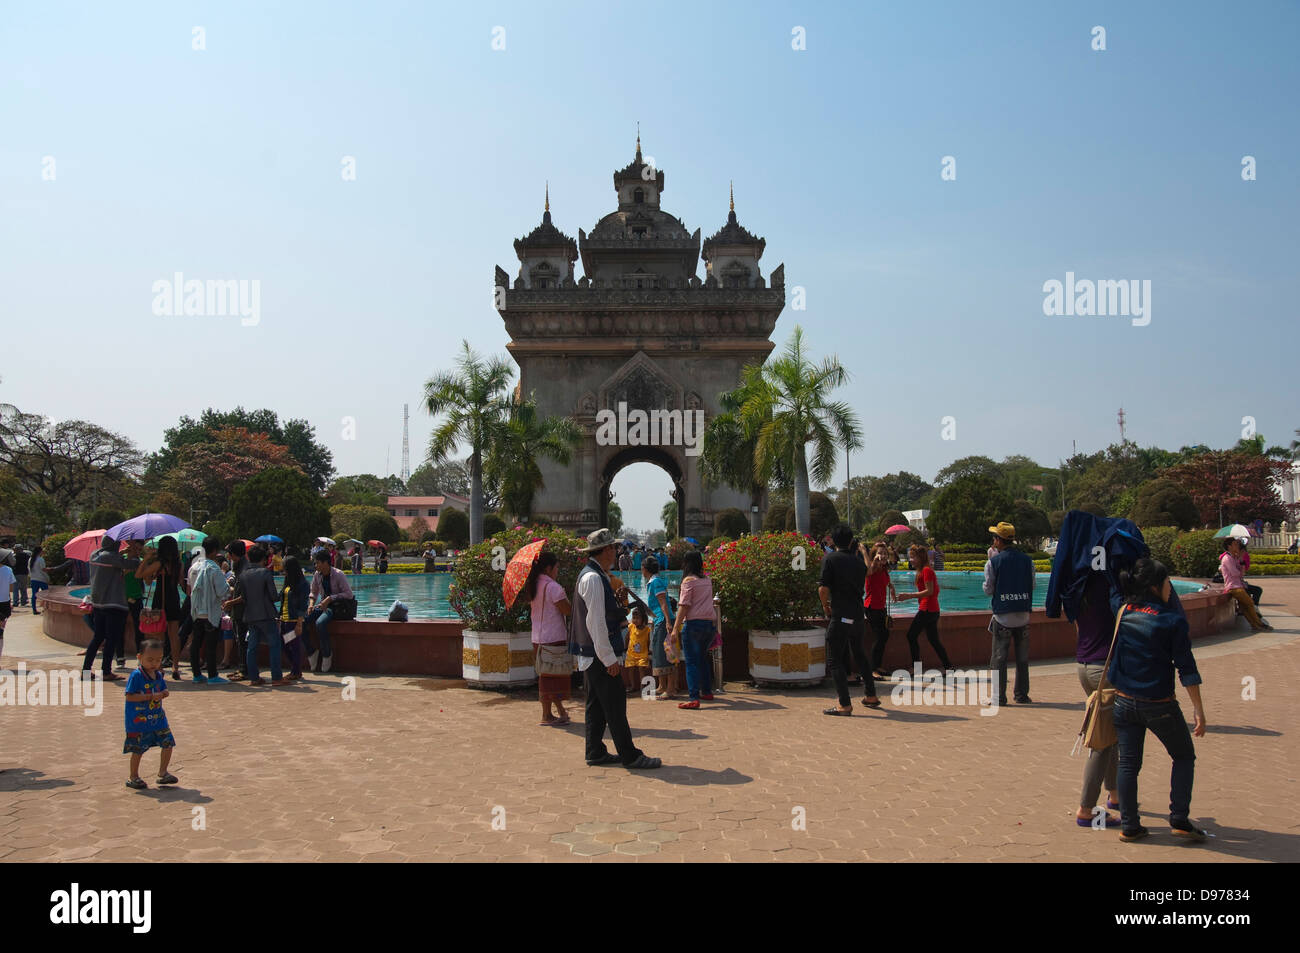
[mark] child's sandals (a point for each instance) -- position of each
(137, 784)
(166, 779)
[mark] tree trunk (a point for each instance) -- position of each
(802, 516)
(475, 497)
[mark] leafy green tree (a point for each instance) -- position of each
(493, 524)
(1258, 446)
(730, 446)
(450, 476)
(360, 489)
(1030, 521)
(282, 502)
(77, 464)
(1163, 502)
(474, 401)
(380, 526)
(297, 436)
(103, 518)
(965, 508)
(968, 466)
(614, 518)
(787, 403)
(453, 526)
(346, 518)
(417, 528)
(517, 444)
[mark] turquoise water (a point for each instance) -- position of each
(425, 594)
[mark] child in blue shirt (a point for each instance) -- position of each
(146, 722)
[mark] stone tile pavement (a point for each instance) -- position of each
(425, 769)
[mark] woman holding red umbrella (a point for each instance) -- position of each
(549, 606)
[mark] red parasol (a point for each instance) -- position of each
(897, 528)
(80, 547)
(378, 544)
(517, 572)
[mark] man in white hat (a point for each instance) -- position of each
(600, 634)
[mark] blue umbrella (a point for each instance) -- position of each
(691, 540)
(269, 538)
(146, 526)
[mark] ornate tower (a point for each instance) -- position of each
(641, 331)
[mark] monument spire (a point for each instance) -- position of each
(733, 195)
(548, 196)
(638, 140)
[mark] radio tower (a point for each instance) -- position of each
(406, 441)
(1121, 425)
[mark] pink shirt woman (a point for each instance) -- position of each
(549, 625)
(696, 598)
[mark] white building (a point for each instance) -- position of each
(916, 519)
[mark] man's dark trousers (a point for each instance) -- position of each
(203, 647)
(607, 705)
(1003, 638)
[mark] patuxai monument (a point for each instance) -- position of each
(639, 330)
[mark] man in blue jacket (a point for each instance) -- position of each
(1009, 579)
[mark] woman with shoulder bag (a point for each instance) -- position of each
(1151, 641)
(549, 607)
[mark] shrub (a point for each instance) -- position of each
(453, 526)
(676, 550)
(52, 551)
(1159, 540)
(718, 541)
(346, 518)
(822, 516)
(964, 510)
(493, 524)
(758, 583)
(1196, 553)
(890, 518)
(731, 522)
(774, 518)
(418, 529)
(475, 593)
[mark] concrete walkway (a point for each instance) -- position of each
(383, 768)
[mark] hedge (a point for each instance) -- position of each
(1196, 553)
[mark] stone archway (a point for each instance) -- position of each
(663, 460)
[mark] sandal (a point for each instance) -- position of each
(875, 704)
(1194, 834)
(137, 784)
(837, 711)
(561, 722)
(167, 779)
(693, 705)
(1112, 820)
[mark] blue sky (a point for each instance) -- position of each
(225, 163)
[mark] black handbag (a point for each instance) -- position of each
(345, 610)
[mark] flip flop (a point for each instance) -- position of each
(875, 704)
(1193, 834)
(1112, 820)
(837, 711)
(560, 722)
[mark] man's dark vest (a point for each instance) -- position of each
(1013, 582)
(615, 618)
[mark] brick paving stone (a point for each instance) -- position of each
(904, 784)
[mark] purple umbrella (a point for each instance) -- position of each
(147, 526)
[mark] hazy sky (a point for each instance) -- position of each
(225, 163)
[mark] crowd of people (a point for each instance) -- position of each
(236, 600)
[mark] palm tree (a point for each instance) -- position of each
(518, 444)
(787, 402)
(475, 399)
(729, 448)
(669, 515)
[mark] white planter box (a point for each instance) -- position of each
(497, 659)
(791, 658)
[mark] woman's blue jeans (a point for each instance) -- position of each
(697, 636)
(1165, 719)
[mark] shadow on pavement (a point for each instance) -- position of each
(1241, 730)
(28, 779)
(694, 777)
(173, 793)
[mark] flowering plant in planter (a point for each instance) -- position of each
(475, 591)
(767, 581)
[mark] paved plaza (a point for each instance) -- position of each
(426, 769)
